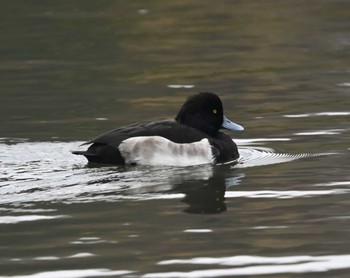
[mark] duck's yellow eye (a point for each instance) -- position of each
(215, 111)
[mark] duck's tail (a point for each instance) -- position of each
(101, 153)
(91, 157)
(82, 153)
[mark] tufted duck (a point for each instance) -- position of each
(192, 139)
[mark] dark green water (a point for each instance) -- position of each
(71, 70)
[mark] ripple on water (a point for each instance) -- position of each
(252, 156)
(320, 132)
(329, 114)
(255, 265)
(11, 219)
(75, 273)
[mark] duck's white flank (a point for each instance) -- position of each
(156, 150)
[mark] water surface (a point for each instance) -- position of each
(72, 70)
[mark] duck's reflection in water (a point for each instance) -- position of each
(207, 196)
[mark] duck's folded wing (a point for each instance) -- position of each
(171, 130)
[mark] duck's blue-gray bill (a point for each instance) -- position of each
(231, 125)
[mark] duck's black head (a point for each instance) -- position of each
(204, 112)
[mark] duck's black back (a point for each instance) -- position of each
(178, 133)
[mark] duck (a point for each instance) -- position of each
(193, 138)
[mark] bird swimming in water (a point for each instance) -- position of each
(194, 138)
